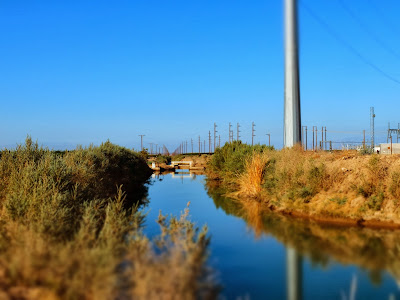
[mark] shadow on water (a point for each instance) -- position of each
(374, 250)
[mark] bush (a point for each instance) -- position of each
(162, 159)
(230, 160)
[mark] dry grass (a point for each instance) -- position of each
(250, 182)
(340, 184)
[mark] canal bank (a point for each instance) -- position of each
(250, 248)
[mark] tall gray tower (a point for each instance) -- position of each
(292, 118)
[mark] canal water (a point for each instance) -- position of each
(252, 251)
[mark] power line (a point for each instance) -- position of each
(376, 38)
(346, 44)
(383, 18)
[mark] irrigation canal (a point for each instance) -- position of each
(253, 254)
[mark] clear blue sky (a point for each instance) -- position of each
(81, 72)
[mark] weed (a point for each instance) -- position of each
(339, 200)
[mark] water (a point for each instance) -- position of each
(249, 249)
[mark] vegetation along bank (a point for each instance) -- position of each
(340, 187)
(71, 228)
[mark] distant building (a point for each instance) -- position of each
(390, 148)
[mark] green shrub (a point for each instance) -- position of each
(229, 161)
(162, 159)
(339, 200)
(375, 202)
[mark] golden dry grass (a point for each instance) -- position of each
(340, 184)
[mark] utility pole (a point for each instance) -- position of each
(204, 145)
(372, 115)
(313, 137)
(230, 138)
(269, 139)
(364, 139)
(238, 131)
(141, 141)
(209, 142)
(219, 141)
(252, 133)
(292, 116)
(215, 136)
(156, 148)
(191, 141)
(199, 146)
(322, 138)
(304, 135)
(151, 148)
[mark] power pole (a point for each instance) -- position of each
(230, 138)
(292, 116)
(322, 138)
(156, 148)
(215, 135)
(141, 141)
(199, 146)
(269, 139)
(209, 142)
(186, 148)
(238, 131)
(204, 145)
(304, 135)
(372, 115)
(151, 148)
(252, 133)
(364, 139)
(191, 141)
(219, 141)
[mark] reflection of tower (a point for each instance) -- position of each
(293, 275)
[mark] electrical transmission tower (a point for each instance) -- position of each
(215, 136)
(238, 131)
(292, 117)
(141, 141)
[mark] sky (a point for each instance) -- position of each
(82, 72)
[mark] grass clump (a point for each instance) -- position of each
(70, 228)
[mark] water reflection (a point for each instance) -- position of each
(375, 251)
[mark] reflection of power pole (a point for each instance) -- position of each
(215, 136)
(269, 139)
(141, 141)
(294, 280)
(252, 133)
(292, 117)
